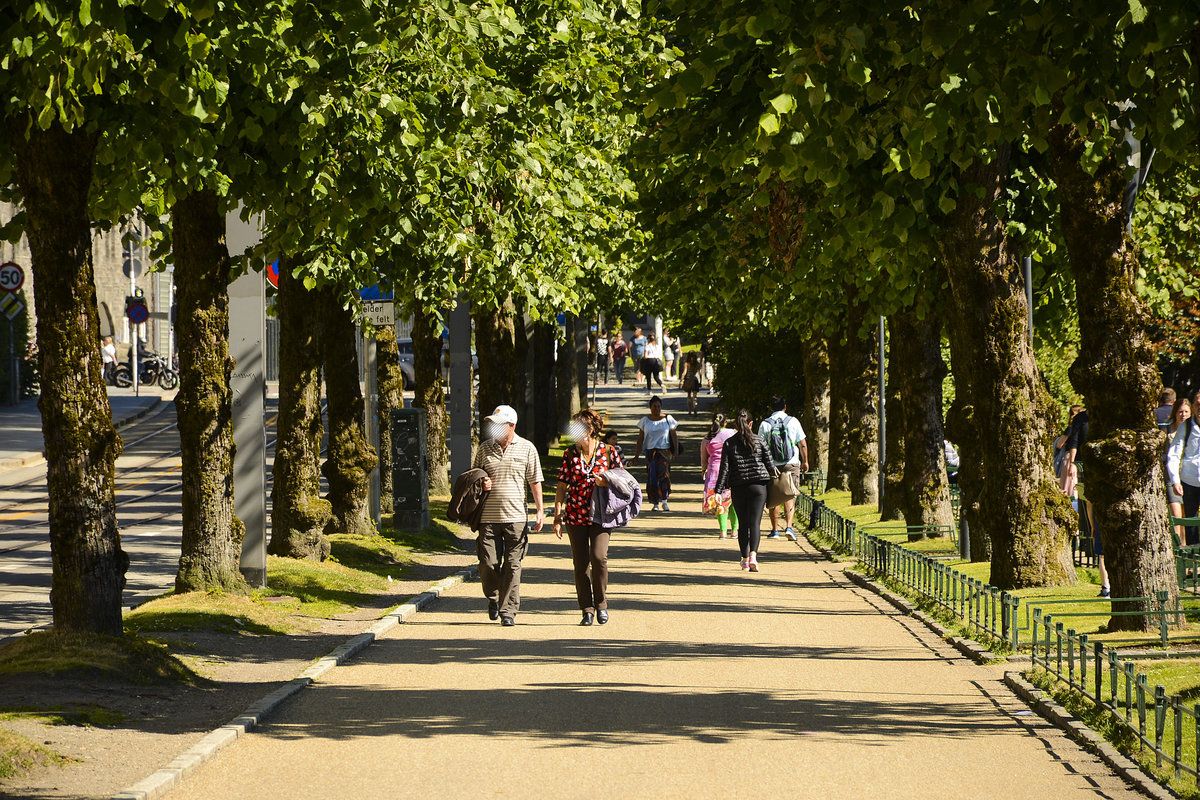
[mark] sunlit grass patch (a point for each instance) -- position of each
(88, 715)
(215, 611)
(128, 657)
(18, 754)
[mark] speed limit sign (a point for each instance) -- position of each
(12, 277)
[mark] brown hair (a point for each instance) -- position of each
(592, 420)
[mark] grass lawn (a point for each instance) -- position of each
(18, 754)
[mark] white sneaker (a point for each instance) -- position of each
(654, 507)
(665, 506)
(790, 534)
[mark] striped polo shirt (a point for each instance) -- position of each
(511, 469)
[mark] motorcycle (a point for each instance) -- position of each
(152, 368)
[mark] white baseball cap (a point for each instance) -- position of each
(506, 414)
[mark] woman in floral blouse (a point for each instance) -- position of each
(583, 463)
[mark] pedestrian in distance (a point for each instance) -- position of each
(669, 344)
(657, 438)
(1073, 486)
(613, 440)
(1181, 411)
(789, 452)
(652, 365)
(619, 350)
(512, 464)
(1183, 470)
(603, 359)
(108, 358)
(746, 469)
(583, 469)
(637, 349)
(1166, 407)
(689, 381)
(719, 505)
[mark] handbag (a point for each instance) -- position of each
(781, 489)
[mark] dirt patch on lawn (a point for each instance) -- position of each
(133, 729)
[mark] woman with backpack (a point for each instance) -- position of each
(720, 504)
(619, 349)
(690, 382)
(746, 468)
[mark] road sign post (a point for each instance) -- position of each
(12, 277)
(11, 307)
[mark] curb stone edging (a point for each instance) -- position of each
(28, 459)
(1047, 708)
(170, 776)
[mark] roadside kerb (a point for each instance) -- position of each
(170, 776)
(31, 457)
(1052, 712)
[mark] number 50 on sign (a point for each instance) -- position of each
(12, 277)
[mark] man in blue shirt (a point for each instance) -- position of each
(637, 351)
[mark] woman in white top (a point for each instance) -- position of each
(1183, 472)
(652, 365)
(658, 440)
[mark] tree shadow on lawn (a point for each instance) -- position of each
(622, 714)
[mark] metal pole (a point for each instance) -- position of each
(461, 416)
(372, 421)
(882, 411)
(14, 366)
(1027, 263)
(133, 344)
(596, 369)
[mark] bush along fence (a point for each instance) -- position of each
(980, 606)
(1115, 686)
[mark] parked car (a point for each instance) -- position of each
(405, 348)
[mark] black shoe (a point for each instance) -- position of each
(507, 622)
(493, 610)
(602, 616)
(588, 618)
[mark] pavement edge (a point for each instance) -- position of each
(28, 459)
(1047, 708)
(162, 781)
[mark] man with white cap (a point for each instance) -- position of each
(512, 463)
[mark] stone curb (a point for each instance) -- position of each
(28, 459)
(170, 776)
(1052, 712)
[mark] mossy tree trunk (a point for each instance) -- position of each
(962, 430)
(815, 412)
(1019, 506)
(838, 470)
(892, 505)
(298, 512)
(54, 173)
(1117, 373)
(212, 535)
(566, 376)
(915, 361)
(500, 372)
(861, 367)
(582, 384)
(429, 393)
(350, 457)
(390, 381)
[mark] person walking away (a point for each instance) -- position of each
(1077, 433)
(652, 363)
(746, 469)
(668, 355)
(706, 368)
(1166, 407)
(512, 463)
(952, 461)
(603, 359)
(789, 451)
(108, 358)
(656, 434)
(637, 349)
(619, 350)
(1181, 411)
(719, 505)
(690, 382)
(583, 466)
(1183, 470)
(1060, 450)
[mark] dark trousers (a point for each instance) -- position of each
(658, 476)
(652, 368)
(749, 500)
(602, 363)
(589, 554)
(619, 364)
(501, 546)
(1191, 507)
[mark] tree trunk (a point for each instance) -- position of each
(496, 346)
(861, 366)
(298, 512)
(390, 381)
(838, 471)
(916, 363)
(543, 379)
(1019, 505)
(350, 458)
(963, 431)
(1117, 374)
(815, 415)
(212, 535)
(54, 173)
(566, 377)
(581, 361)
(429, 393)
(893, 501)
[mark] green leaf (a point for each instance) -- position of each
(783, 103)
(769, 123)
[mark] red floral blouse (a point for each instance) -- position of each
(579, 477)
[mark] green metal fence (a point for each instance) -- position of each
(1085, 666)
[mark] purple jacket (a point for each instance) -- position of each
(618, 502)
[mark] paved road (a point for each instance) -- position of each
(708, 682)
